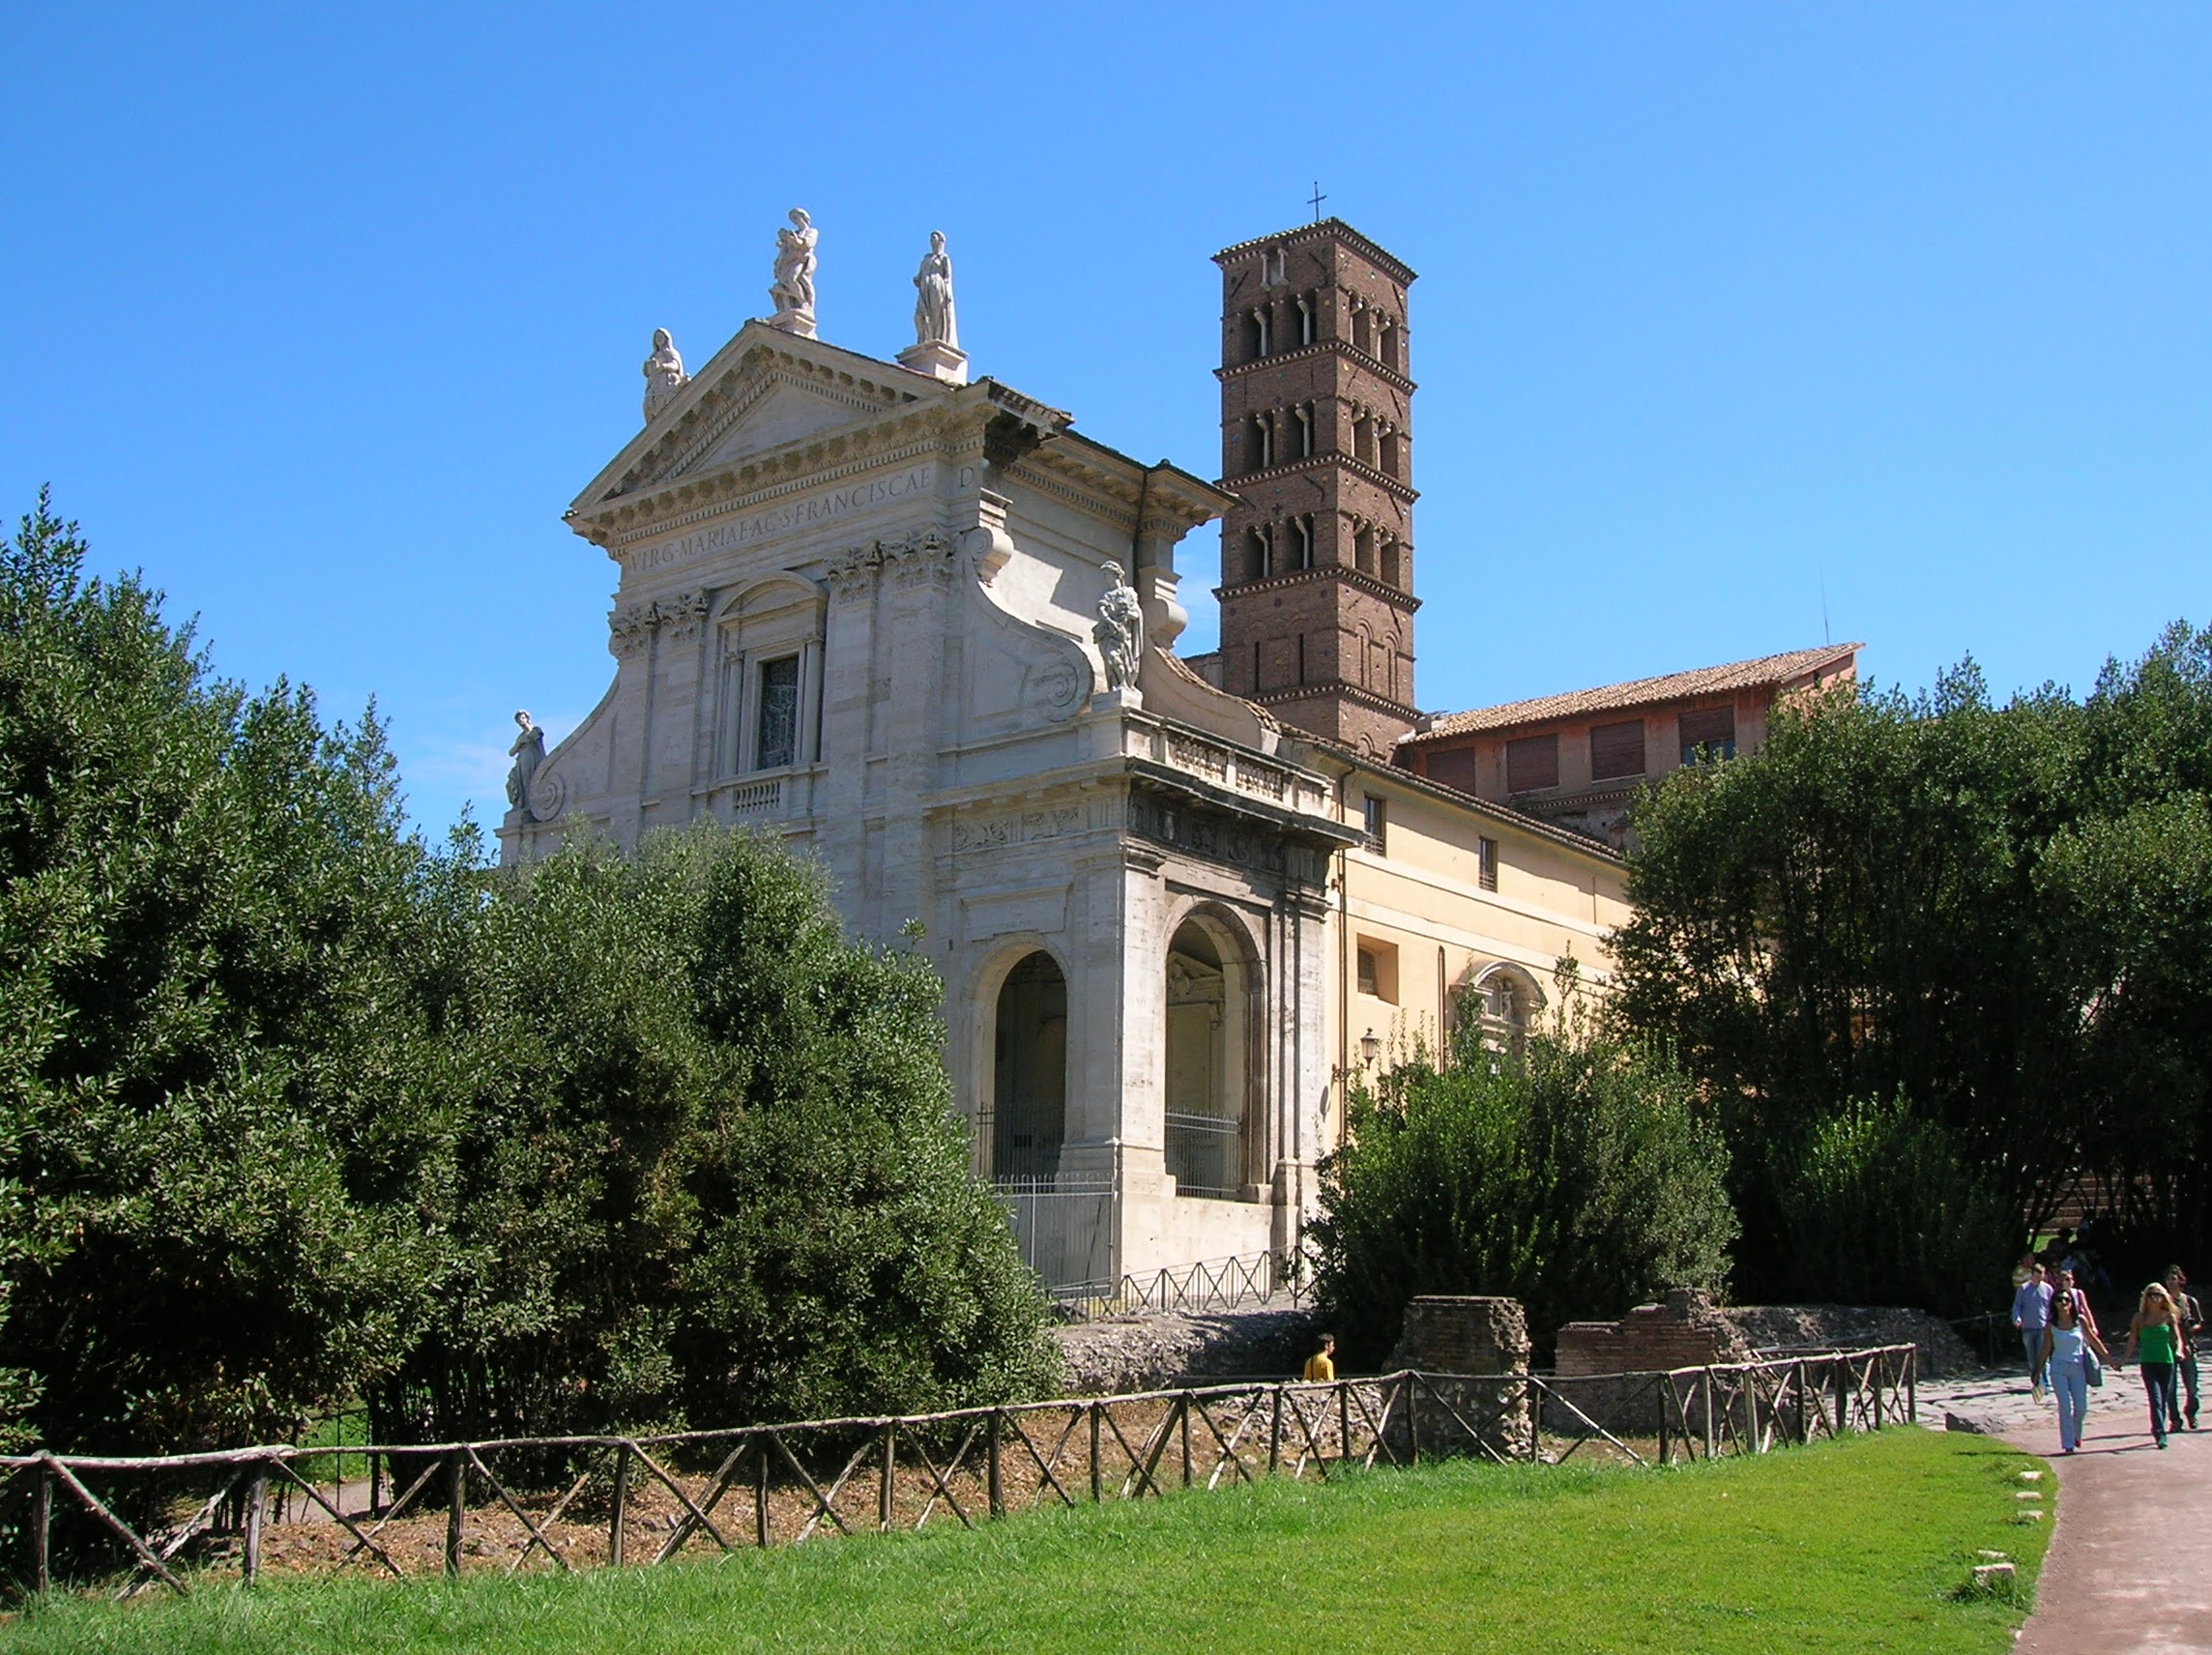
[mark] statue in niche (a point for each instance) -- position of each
(793, 292)
(527, 754)
(664, 374)
(933, 320)
(1119, 631)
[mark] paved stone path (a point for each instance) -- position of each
(2130, 1568)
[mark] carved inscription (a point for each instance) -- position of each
(781, 519)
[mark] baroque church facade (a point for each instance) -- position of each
(924, 631)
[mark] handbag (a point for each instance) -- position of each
(2092, 1370)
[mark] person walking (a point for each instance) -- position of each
(2066, 1343)
(2155, 1340)
(2032, 1315)
(2191, 1331)
(2068, 1286)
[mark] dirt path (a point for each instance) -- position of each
(2130, 1568)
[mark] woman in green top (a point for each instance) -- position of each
(2156, 1337)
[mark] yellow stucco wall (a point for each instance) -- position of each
(1418, 905)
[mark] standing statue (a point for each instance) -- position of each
(664, 374)
(1119, 631)
(527, 754)
(932, 321)
(792, 291)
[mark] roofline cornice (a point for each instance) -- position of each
(1329, 229)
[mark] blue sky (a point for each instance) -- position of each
(320, 317)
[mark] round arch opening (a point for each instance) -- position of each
(1209, 1066)
(1028, 1091)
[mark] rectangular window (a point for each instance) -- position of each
(777, 741)
(1708, 732)
(1375, 813)
(1486, 863)
(1377, 968)
(1533, 762)
(1617, 749)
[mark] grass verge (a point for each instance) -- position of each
(1856, 1546)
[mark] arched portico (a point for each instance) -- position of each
(1214, 1072)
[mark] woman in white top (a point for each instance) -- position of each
(2066, 1340)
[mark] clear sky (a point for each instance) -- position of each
(1735, 324)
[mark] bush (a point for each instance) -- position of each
(1881, 1208)
(1579, 1178)
(710, 1170)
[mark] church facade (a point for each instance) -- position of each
(924, 631)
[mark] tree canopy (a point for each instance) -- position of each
(295, 1108)
(1999, 915)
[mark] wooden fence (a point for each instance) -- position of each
(568, 1502)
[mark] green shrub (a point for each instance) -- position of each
(1578, 1178)
(1881, 1208)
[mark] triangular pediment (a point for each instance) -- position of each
(762, 392)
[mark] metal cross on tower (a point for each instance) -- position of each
(1318, 199)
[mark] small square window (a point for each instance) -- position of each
(1378, 968)
(1486, 863)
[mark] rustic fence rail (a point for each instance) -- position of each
(569, 1503)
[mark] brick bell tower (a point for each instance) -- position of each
(1317, 561)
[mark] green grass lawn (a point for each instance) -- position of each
(1855, 1546)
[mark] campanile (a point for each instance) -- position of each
(1317, 558)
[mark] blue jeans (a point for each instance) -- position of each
(2069, 1385)
(2158, 1386)
(2031, 1341)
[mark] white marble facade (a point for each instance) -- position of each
(859, 606)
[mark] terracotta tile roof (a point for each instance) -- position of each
(1761, 674)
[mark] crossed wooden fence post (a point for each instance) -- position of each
(1870, 1388)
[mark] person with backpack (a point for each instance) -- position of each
(2191, 1330)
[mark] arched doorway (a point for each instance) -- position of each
(1208, 1031)
(1029, 1092)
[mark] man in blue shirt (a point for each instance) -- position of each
(2032, 1314)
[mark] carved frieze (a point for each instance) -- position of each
(1216, 836)
(995, 832)
(631, 628)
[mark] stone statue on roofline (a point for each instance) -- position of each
(933, 318)
(1119, 631)
(792, 291)
(664, 374)
(527, 754)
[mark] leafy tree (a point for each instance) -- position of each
(206, 909)
(295, 1109)
(1996, 912)
(1577, 1177)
